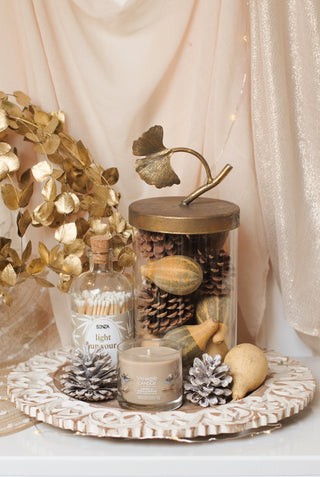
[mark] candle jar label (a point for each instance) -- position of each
(139, 389)
(150, 377)
(104, 332)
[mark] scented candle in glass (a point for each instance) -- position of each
(149, 375)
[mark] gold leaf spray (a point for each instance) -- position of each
(78, 200)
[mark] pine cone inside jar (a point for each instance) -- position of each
(155, 245)
(208, 382)
(217, 272)
(161, 311)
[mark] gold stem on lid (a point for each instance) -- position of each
(211, 181)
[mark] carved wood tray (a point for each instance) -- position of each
(34, 388)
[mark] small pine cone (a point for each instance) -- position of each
(161, 311)
(217, 272)
(208, 381)
(90, 376)
(155, 245)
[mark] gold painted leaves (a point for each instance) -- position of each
(77, 199)
(155, 167)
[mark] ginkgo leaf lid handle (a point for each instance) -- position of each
(155, 168)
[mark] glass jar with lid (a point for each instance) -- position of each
(186, 270)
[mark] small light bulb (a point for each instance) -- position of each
(36, 431)
(245, 38)
(233, 117)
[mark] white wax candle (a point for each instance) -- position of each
(150, 375)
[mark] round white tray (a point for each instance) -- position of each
(34, 389)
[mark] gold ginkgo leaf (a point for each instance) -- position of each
(35, 266)
(72, 265)
(4, 147)
(8, 275)
(151, 142)
(154, 168)
(157, 170)
(66, 233)
(22, 98)
(42, 171)
(49, 191)
(65, 203)
(3, 120)
(10, 196)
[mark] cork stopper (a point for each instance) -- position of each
(100, 248)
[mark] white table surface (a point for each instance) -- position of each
(293, 450)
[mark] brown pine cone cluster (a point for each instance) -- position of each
(155, 245)
(217, 272)
(161, 311)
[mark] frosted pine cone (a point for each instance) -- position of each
(90, 376)
(208, 382)
(161, 311)
(155, 245)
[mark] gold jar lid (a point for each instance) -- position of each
(167, 215)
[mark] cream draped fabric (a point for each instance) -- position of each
(117, 67)
(285, 97)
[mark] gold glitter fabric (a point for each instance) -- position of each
(285, 78)
(26, 328)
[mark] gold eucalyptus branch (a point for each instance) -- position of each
(155, 168)
(78, 199)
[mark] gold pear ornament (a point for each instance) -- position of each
(249, 368)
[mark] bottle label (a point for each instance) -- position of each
(104, 332)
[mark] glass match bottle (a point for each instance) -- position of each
(101, 303)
